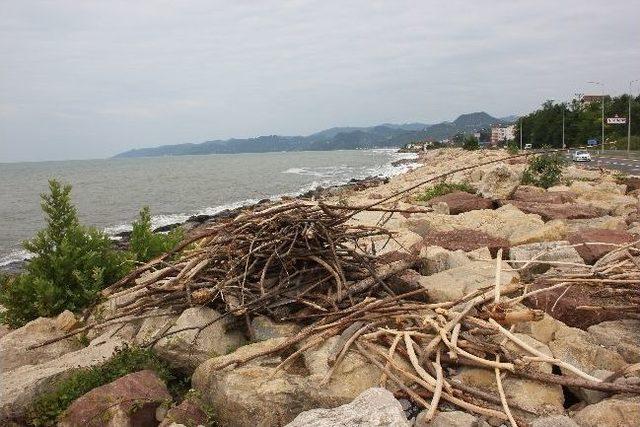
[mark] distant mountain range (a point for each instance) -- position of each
(387, 135)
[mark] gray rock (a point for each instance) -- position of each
(13, 345)
(621, 336)
(499, 182)
(436, 259)
(21, 385)
(373, 407)
(188, 349)
(542, 251)
(619, 411)
(554, 421)
(264, 328)
(447, 419)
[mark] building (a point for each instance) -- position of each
(502, 134)
(588, 99)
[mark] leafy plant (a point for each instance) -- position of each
(443, 188)
(72, 263)
(48, 407)
(544, 170)
(145, 244)
(471, 143)
(512, 148)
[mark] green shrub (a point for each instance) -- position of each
(544, 170)
(443, 188)
(512, 148)
(49, 406)
(72, 263)
(145, 244)
(471, 143)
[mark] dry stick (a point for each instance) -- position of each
(392, 350)
(343, 353)
(450, 398)
(438, 391)
(538, 353)
(503, 397)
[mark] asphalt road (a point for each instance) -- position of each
(629, 164)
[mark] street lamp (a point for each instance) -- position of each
(521, 119)
(602, 98)
(629, 118)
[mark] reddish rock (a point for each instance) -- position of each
(550, 211)
(461, 201)
(466, 240)
(557, 197)
(188, 413)
(128, 401)
(592, 253)
(408, 281)
(632, 183)
(564, 304)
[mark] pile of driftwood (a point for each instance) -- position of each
(289, 258)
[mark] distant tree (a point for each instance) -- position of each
(471, 143)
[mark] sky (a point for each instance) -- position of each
(89, 79)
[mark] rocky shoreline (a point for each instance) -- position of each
(520, 306)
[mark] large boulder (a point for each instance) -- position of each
(551, 211)
(566, 303)
(543, 255)
(153, 327)
(526, 193)
(591, 253)
(619, 411)
(464, 240)
(499, 182)
(13, 345)
(21, 385)
(258, 396)
(577, 347)
(605, 222)
(606, 195)
(373, 407)
(506, 222)
(189, 348)
(554, 421)
(435, 259)
(452, 284)
(405, 244)
(130, 401)
(621, 336)
(461, 201)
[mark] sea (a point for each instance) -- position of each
(109, 193)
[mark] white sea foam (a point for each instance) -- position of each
(15, 256)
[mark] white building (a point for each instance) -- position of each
(503, 133)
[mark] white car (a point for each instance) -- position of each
(581, 156)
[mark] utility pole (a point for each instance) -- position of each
(602, 98)
(521, 134)
(629, 117)
(563, 144)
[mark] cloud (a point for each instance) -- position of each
(90, 79)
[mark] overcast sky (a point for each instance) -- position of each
(84, 79)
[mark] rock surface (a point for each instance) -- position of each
(454, 283)
(619, 411)
(466, 240)
(21, 385)
(129, 401)
(551, 211)
(591, 253)
(373, 407)
(447, 419)
(188, 413)
(13, 345)
(621, 336)
(499, 182)
(551, 252)
(188, 349)
(461, 201)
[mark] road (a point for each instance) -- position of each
(629, 164)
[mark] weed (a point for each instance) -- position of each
(443, 188)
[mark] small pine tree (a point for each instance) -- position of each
(145, 244)
(72, 263)
(544, 170)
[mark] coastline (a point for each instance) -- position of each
(14, 263)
